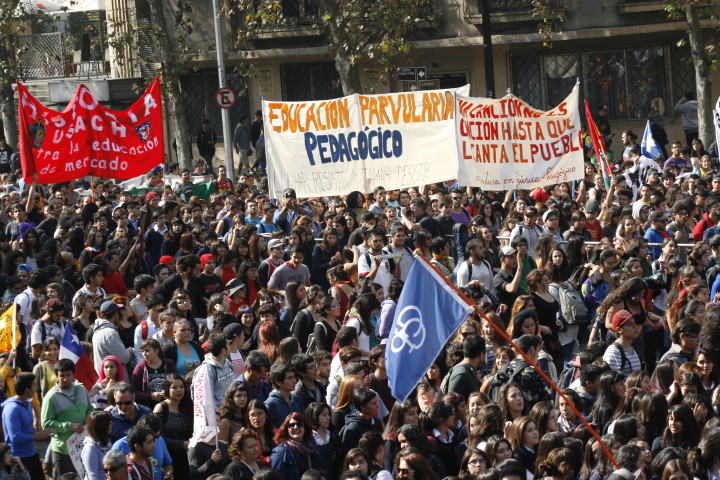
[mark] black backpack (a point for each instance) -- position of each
(505, 375)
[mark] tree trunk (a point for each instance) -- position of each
(349, 75)
(171, 82)
(176, 110)
(7, 114)
(703, 82)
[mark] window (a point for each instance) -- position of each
(624, 80)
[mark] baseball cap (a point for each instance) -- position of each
(549, 214)
(592, 206)
(506, 251)
(24, 267)
(110, 307)
(530, 211)
(151, 195)
(274, 243)
(234, 285)
(233, 331)
(620, 318)
(166, 260)
(55, 305)
(204, 259)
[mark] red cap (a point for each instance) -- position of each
(150, 195)
(204, 259)
(620, 318)
(166, 260)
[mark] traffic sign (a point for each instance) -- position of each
(421, 73)
(407, 74)
(225, 97)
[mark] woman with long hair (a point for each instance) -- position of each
(342, 289)
(610, 398)
(258, 419)
(524, 438)
(295, 451)
(708, 369)
(326, 255)
(509, 224)
(512, 402)
(558, 465)
(406, 413)
(492, 247)
(318, 414)
(248, 320)
(363, 318)
(83, 303)
(497, 448)
(269, 340)
(545, 245)
(112, 372)
(232, 411)
(326, 329)
(243, 451)
(303, 323)
(257, 248)
(96, 444)
(626, 231)
(44, 371)
(682, 430)
(412, 465)
(177, 419)
(545, 416)
(149, 375)
(547, 307)
(248, 274)
(371, 443)
(295, 294)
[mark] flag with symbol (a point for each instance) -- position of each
(428, 312)
(649, 147)
(71, 349)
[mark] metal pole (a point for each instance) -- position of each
(227, 130)
(488, 54)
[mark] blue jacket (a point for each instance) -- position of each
(284, 460)
(279, 408)
(121, 425)
(17, 422)
(655, 236)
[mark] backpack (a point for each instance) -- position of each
(623, 357)
(572, 306)
(567, 376)
(312, 345)
(505, 376)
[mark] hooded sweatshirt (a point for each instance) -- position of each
(220, 376)
(355, 426)
(17, 420)
(92, 458)
(60, 409)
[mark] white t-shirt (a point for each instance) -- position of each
(54, 330)
(383, 275)
(363, 338)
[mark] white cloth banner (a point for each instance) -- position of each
(359, 142)
(506, 144)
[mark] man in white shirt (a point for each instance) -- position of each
(36, 284)
(475, 267)
(148, 327)
(93, 277)
(380, 270)
(398, 237)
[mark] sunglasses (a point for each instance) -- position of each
(296, 425)
(112, 469)
(405, 471)
(129, 402)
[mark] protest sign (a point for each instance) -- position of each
(75, 446)
(332, 147)
(89, 139)
(505, 144)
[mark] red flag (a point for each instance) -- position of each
(70, 348)
(598, 145)
(88, 138)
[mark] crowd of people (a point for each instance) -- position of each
(242, 337)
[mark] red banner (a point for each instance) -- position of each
(88, 138)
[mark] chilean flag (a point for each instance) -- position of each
(70, 348)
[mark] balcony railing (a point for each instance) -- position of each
(474, 7)
(296, 13)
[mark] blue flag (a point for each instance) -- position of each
(428, 312)
(649, 146)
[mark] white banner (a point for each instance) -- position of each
(359, 142)
(75, 446)
(506, 144)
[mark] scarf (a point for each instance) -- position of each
(445, 260)
(304, 448)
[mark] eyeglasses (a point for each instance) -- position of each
(296, 425)
(112, 469)
(405, 471)
(129, 402)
